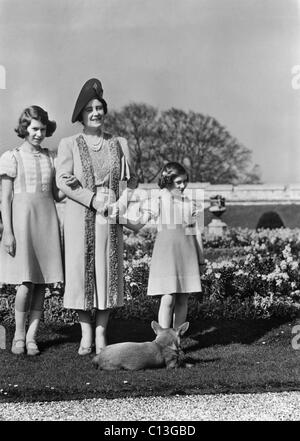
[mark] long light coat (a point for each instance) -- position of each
(109, 248)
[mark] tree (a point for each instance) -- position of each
(206, 148)
(137, 123)
(200, 143)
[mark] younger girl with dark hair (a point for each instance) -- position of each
(177, 260)
(30, 253)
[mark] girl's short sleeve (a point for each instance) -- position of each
(52, 157)
(8, 165)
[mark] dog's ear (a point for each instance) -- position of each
(155, 326)
(182, 328)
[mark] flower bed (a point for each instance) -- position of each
(249, 274)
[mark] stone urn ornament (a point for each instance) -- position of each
(217, 207)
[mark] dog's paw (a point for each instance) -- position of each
(95, 363)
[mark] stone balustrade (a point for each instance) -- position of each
(241, 194)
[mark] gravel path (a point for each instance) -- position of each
(284, 406)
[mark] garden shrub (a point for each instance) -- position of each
(256, 276)
(271, 220)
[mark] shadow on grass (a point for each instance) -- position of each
(224, 332)
(226, 356)
(201, 334)
(57, 335)
(117, 331)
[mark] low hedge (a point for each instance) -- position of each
(260, 279)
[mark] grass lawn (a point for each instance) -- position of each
(227, 357)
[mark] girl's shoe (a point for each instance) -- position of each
(18, 346)
(84, 351)
(32, 348)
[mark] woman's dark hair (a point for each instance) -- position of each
(34, 112)
(170, 171)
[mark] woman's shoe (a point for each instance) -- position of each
(18, 349)
(84, 351)
(32, 348)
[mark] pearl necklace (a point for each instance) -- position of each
(95, 147)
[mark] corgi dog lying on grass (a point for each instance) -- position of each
(164, 351)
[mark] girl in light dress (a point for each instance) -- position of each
(177, 260)
(30, 252)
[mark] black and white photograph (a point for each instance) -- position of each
(149, 213)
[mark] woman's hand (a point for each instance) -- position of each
(70, 180)
(111, 210)
(9, 243)
(98, 206)
(105, 210)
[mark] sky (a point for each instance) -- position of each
(230, 59)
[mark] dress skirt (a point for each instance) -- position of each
(175, 264)
(38, 253)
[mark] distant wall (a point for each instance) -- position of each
(248, 216)
(245, 204)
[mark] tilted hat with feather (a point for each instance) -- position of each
(91, 89)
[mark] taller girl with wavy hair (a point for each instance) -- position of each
(30, 252)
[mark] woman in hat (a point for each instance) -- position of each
(93, 244)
